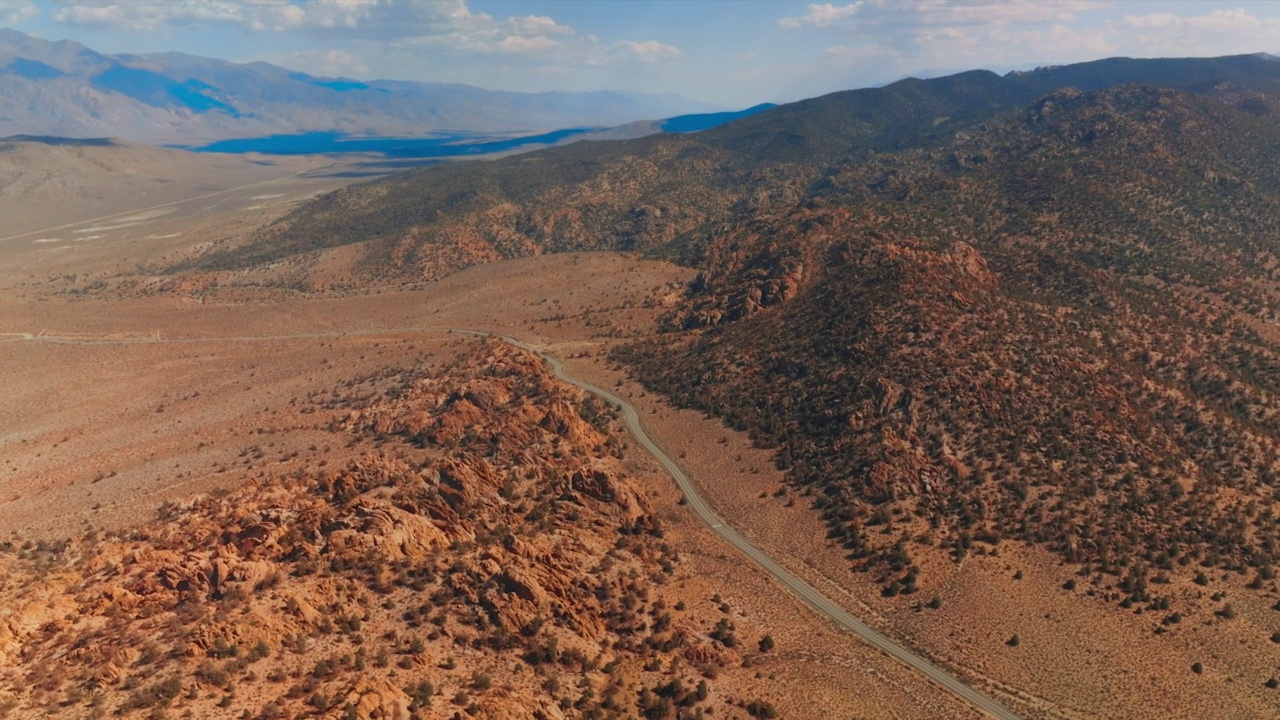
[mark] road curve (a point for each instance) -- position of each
(801, 589)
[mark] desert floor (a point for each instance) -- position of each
(111, 406)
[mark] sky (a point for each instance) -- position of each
(731, 53)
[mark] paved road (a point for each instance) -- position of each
(801, 589)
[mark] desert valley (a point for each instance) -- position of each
(189, 427)
(951, 398)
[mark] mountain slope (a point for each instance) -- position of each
(949, 310)
(672, 192)
(1070, 342)
(63, 88)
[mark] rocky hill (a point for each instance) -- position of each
(480, 551)
(1038, 306)
(1060, 330)
(673, 194)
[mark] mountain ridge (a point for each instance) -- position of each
(767, 158)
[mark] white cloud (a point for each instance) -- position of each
(348, 14)
(822, 16)
(1220, 32)
(988, 12)
(1154, 21)
(15, 12)
(649, 52)
(258, 15)
(537, 25)
(899, 37)
(449, 26)
(879, 17)
(147, 16)
(516, 44)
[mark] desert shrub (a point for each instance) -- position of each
(210, 673)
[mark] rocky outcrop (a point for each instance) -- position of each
(373, 700)
(432, 555)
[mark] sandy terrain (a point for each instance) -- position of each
(164, 408)
(163, 397)
(75, 217)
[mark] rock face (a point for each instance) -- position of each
(480, 538)
(376, 700)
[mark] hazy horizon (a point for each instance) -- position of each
(733, 54)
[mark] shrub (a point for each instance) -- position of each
(260, 651)
(421, 694)
(210, 674)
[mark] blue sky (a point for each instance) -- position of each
(730, 53)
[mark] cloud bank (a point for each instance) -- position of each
(371, 27)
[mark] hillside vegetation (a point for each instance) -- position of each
(671, 194)
(1039, 306)
(1023, 335)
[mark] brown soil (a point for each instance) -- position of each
(100, 435)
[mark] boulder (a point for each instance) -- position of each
(373, 700)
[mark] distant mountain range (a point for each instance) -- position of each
(64, 88)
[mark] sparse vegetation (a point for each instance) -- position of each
(462, 494)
